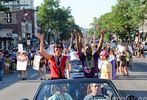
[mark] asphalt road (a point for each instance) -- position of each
(136, 83)
(12, 88)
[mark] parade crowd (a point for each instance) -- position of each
(100, 59)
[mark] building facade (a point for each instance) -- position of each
(20, 4)
(18, 23)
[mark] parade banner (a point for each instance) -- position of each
(20, 47)
(36, 62)
(21, 65)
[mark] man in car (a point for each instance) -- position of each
(58, 63)
(60, 93)
(93, 90)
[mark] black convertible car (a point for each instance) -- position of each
(76, 89)
(79, 89)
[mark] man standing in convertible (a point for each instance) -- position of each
(58, 63)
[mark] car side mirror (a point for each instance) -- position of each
(131, 97)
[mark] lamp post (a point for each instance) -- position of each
(23, 33)
(20, 35)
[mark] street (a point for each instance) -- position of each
(136, 83)
(12, 88)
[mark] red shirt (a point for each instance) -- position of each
(55, 69)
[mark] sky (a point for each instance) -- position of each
(84, 11)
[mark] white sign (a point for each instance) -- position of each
(28, 42)
(121, 48)
(36, 62)
(21, 65)
(20, 47)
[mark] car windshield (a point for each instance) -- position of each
(78, 90)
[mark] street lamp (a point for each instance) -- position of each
(20, 35)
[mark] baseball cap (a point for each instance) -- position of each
(104, 53)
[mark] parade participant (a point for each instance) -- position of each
(60, 93)
(23, 57)
(93, 90)
(1, 65)
(7, 63)
(112, 59)
(90, 60)
(42, 68)
(127, 57)
(106, 67)
(58, 63)
(74, 53)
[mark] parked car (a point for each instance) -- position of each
(77, 89)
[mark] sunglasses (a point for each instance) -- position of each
(96, 85)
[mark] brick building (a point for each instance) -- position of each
(17, 23)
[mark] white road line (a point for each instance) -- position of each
(33, 75)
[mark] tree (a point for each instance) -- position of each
(2, 7)
(52, 16)
(126, 16)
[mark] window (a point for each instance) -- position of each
(9, 17)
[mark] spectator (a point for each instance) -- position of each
(106, 69)
(23, 57)
(1, 66)
(42, 68)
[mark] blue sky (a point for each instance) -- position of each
(84, 11)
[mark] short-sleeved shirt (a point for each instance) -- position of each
(88, 97)
(56, 96)
(97, 97)
(106, 68)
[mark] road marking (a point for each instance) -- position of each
(33, 75)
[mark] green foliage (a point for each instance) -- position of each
(107, 36)
(4, 8)
(126, 16)
(52, 16)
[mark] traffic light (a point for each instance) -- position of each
(28, 36)
(28, 39)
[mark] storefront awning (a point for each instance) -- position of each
(6, 33)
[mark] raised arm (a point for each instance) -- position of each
(79, 42)
(42, 50)
(94, 45)
(71, 41)
(100, 43)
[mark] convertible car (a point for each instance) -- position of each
(76, 89)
